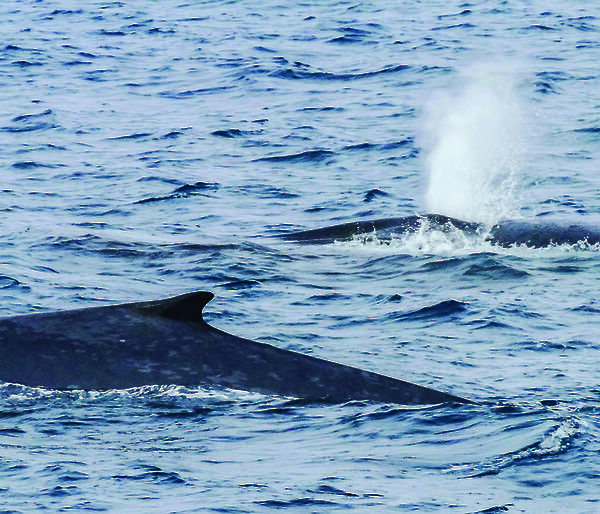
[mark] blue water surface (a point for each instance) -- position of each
(153, 148)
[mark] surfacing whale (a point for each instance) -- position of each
(532, 234)
(168, 342)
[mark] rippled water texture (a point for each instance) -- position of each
(153, 148)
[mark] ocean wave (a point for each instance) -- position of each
(295, 74)
(556, 441)
(306, 156)
(444, 309)
(199, 188)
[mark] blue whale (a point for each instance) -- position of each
(167, 342)
(532, 234)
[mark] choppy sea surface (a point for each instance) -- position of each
(153, 148)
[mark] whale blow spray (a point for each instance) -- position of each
(476, 147)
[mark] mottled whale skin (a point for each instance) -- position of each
(529, 233)
(167, 342)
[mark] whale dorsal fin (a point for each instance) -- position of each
(185, 307)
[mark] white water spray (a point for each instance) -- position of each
(476, 146)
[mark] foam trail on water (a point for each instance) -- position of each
(476, 145)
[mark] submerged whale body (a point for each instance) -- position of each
(167, 342)
(533, 234)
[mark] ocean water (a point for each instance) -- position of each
(153, 148)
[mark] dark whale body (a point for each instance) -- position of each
(167, 342)
(533, 234)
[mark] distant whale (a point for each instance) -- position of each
(167, 342)
(533, 234)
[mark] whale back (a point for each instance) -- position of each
(530, 233)
(535, 234)
(383, 228)
(167, 342)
